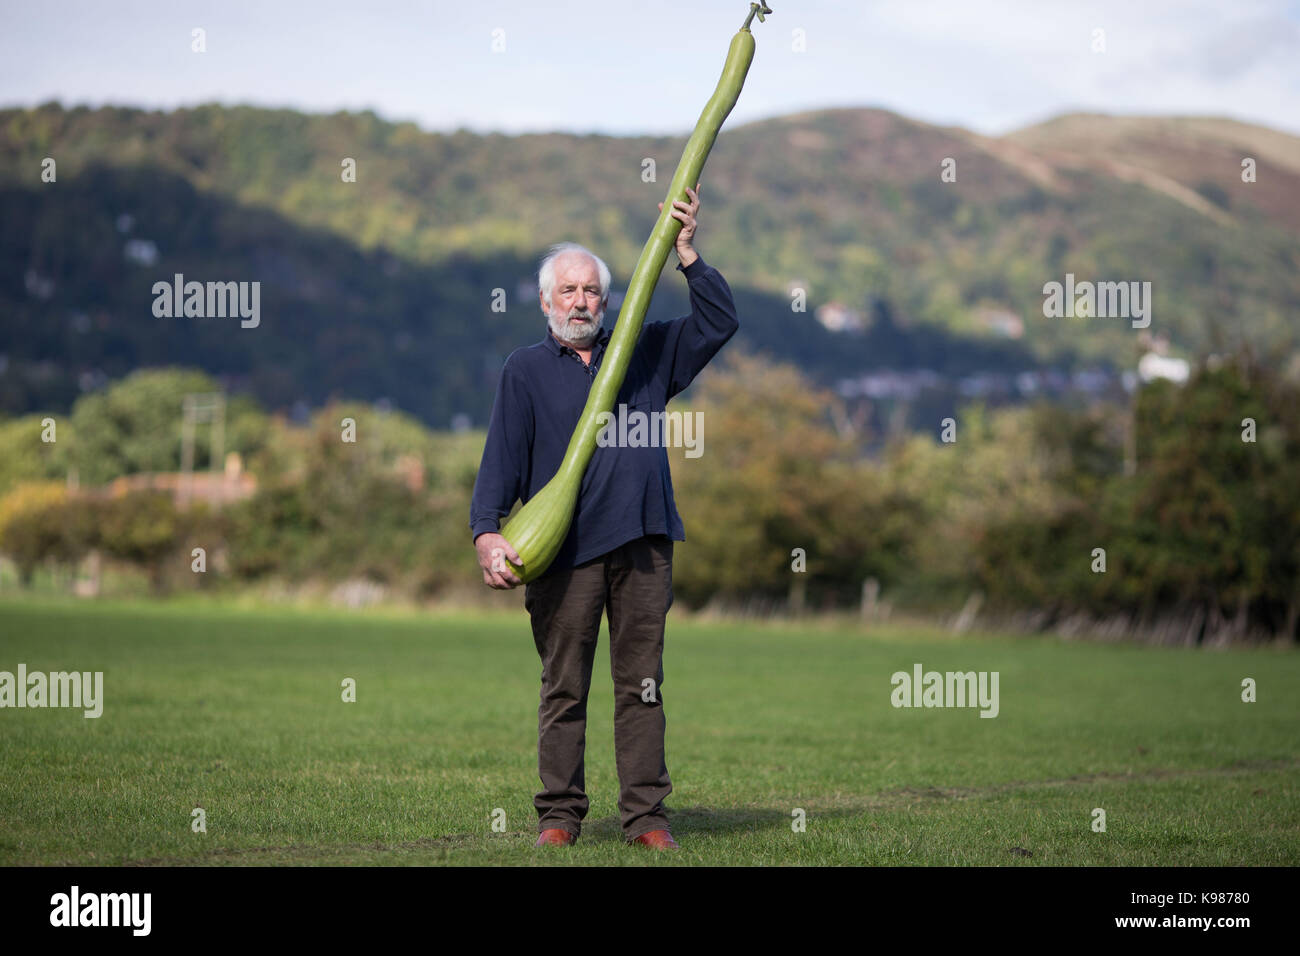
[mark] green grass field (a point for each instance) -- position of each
(239, 711)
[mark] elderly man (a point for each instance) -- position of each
(619, 550)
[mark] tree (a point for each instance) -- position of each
(26, 457)
(135, 425)
(142, 528)
(774, 477)
(35, 527)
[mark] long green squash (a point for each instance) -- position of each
(539, 528)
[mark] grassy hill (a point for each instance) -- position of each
(1184, 157)
(382, 287)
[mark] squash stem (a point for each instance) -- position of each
(758, 8)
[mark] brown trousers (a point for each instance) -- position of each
(635, 583)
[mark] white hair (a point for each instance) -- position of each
(546, 273)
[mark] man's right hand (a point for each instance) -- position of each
(492, 551)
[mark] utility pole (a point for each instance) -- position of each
(201, 407)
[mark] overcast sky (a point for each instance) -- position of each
(647, 66)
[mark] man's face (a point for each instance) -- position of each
(575, 311)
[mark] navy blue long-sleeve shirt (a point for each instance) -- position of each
(626, 492)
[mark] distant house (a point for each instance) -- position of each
(1153, 366)
(1001, 322)
(216, 488)
(840, 318)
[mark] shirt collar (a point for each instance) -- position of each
(602, 337)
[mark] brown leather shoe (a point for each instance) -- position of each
(556, 837)
(658, 839)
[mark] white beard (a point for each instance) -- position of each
(576, 335)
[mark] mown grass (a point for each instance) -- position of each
(239, 711)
